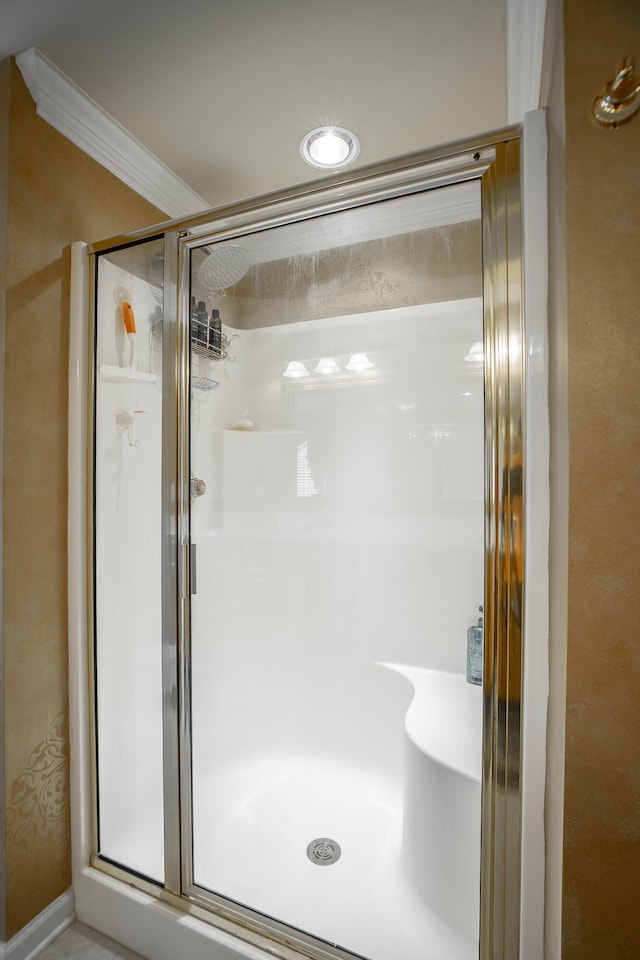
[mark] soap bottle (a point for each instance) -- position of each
(475, 651)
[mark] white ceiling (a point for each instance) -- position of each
(222, 92)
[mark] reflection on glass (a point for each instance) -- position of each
(340, 562)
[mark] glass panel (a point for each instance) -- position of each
(337, 451)
(128, 631)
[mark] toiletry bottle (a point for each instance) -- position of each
(475, 651)
(194, 321)
(202, 324)
(215, 334)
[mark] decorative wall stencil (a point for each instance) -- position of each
(38, 799)
(376, 283)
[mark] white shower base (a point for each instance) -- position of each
(255, 821)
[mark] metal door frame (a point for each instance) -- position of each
(493, 160)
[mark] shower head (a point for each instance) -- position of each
(224, 267)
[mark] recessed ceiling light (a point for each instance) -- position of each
(329, 147)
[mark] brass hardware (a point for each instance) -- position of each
(504, 557)
(620, 99)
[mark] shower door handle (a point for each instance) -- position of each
(192, 569)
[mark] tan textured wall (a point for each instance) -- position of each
(56, 195)
(601, 886)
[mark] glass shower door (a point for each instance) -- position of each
(127, 587)
(290, 555)
(337, 510)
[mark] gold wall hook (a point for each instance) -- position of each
(621, 97)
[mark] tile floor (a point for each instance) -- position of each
(80, 942)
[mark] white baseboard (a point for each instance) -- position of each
(41, 931)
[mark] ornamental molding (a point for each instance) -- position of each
(80, 119)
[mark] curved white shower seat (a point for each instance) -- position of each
(442, 793)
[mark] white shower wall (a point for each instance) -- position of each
(128, 582)
(344, 529)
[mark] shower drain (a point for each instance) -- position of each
(323, 851)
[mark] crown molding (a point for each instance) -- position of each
(76, 116)
(525, 45)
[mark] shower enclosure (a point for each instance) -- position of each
(307, 478)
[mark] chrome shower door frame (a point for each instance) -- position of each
(493, 161)
(497, 167)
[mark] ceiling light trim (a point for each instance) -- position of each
(80, 119)
(348, 141)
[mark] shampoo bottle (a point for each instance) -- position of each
(194, 320)
(202, 324)
(215, 333)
